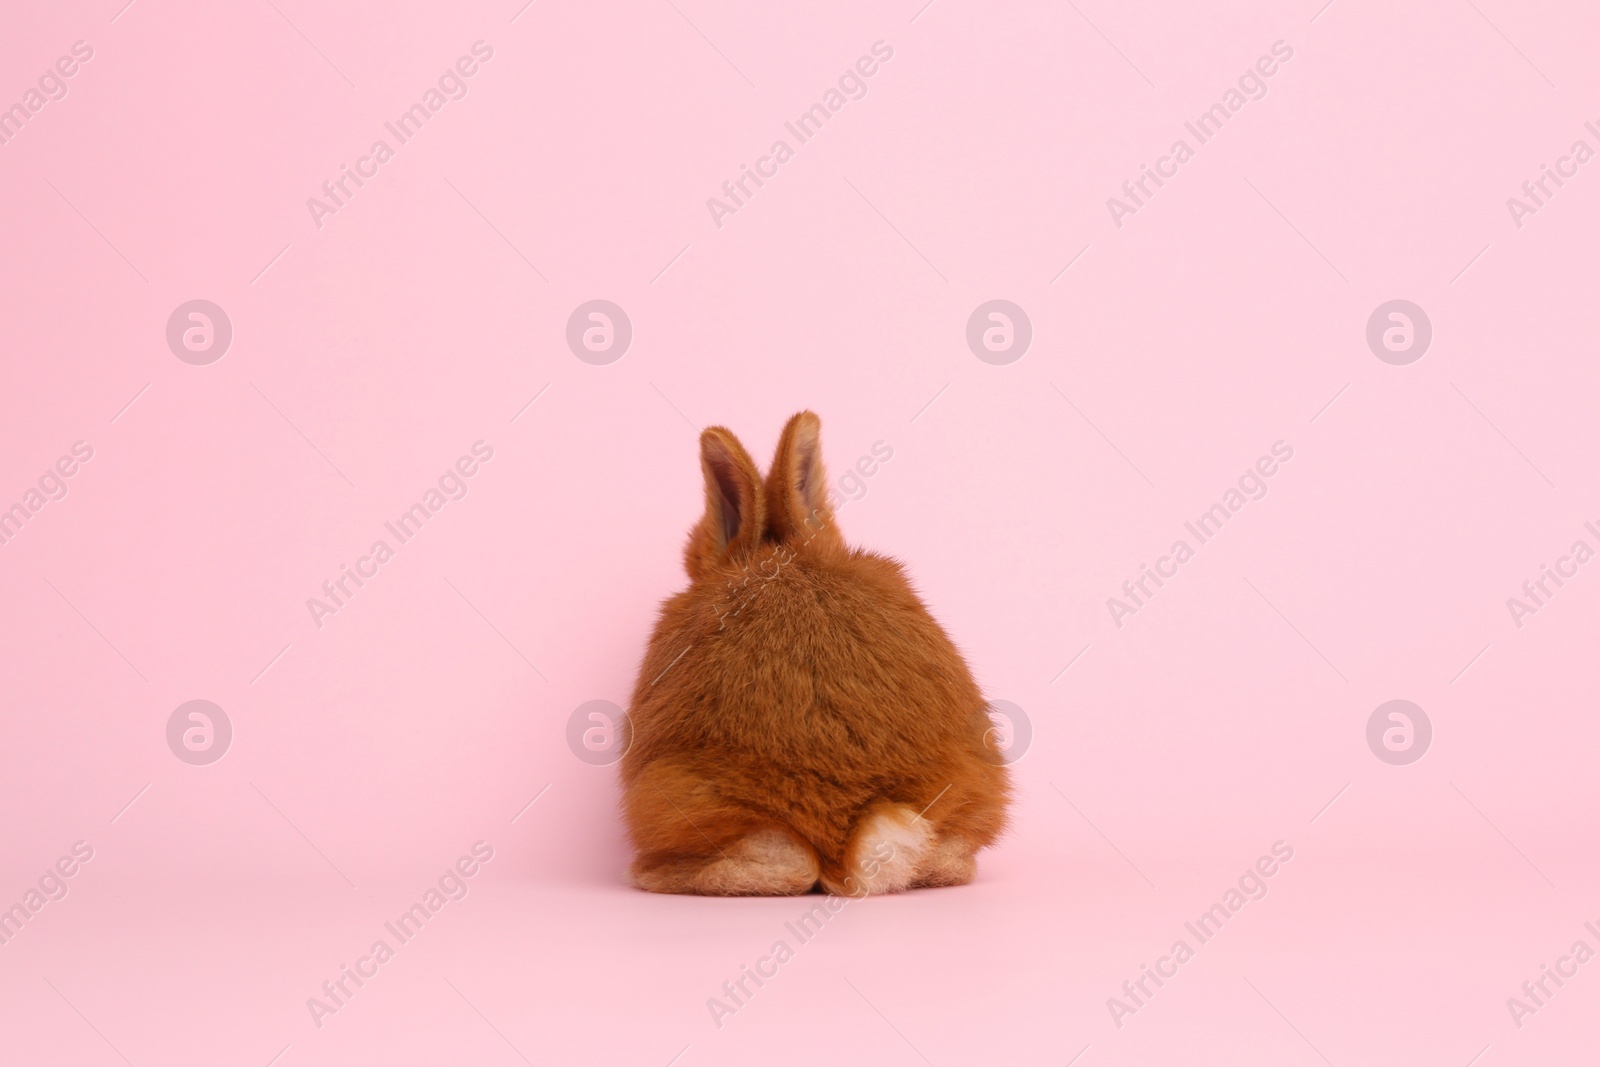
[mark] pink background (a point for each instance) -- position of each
(1228, 313)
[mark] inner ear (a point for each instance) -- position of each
(796, 486)
(805, 472)
(731, 505)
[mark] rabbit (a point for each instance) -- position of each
(799, 715)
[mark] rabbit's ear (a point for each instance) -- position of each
(797, 484)
(734, 506)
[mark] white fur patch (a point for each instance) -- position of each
(889, 849)
(766, 862)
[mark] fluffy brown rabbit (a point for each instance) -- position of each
(799, 714)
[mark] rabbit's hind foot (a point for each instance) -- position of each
(766, 862)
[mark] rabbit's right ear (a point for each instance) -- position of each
(797, 485)
(735, 509)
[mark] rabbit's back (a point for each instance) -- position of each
(827, 680)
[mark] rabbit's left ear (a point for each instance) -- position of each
(734, 506)
(797, 484)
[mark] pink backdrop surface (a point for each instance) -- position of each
(1177, 333)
